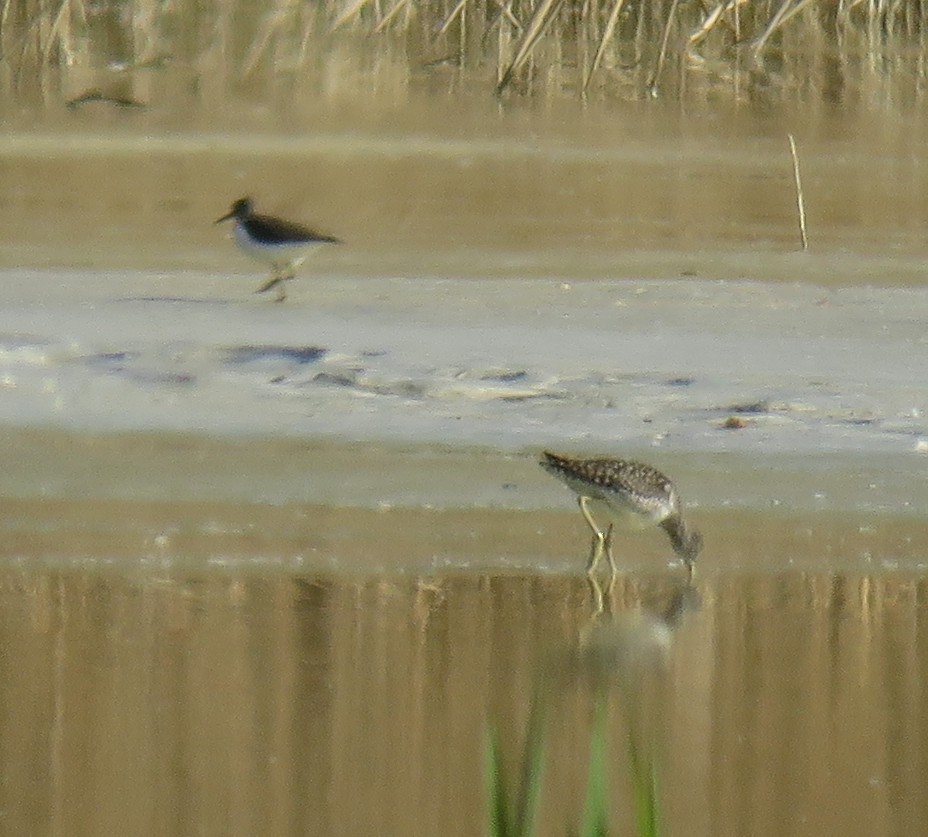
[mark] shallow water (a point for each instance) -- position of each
(211, 651)
(227, 682)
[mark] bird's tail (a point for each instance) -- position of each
(554, 464)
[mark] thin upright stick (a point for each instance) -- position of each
(800, 201)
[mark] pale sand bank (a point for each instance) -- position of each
(610, 366)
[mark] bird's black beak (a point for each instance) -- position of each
(225, 217)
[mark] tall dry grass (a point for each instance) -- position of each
(831, 51)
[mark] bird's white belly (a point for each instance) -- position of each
(272, 254)
(623, 517)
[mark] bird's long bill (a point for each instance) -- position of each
(225, 217)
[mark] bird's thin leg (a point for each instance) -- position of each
(283, 274)
(607, 538)
(607, 548)
(599, 539)
(589, 519)
(597, 593)
(272, 282)
(596, 552)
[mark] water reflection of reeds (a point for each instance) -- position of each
(763, 51)
(241, 703)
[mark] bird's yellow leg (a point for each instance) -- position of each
(274, 280)
(597, 594)
(602, 541)
(596, 552)
(599, 539)
(588, 517)
(607, 548)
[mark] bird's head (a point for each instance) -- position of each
(240, 209)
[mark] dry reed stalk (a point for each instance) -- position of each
(662, 55)
(781, 16)
(457, 11)
(4, 21)
(887, 38)
(707, 25)
(352, 10)
(606, 37)
(397, 8)
(543, 15)
(27, 37)
(505, 10)
(56, 33)
(269, 30)
(800, 200)
(714, 17)
(306, 42)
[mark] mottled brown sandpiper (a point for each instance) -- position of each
(632, 495)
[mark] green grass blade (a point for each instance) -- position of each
(532, 768)
(508, 814)
(497, 804)
(644, 780)
(595, 811)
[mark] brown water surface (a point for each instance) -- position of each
(482, 193)
(229, 666)
(218, 681)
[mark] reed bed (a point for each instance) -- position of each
(833, 51)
